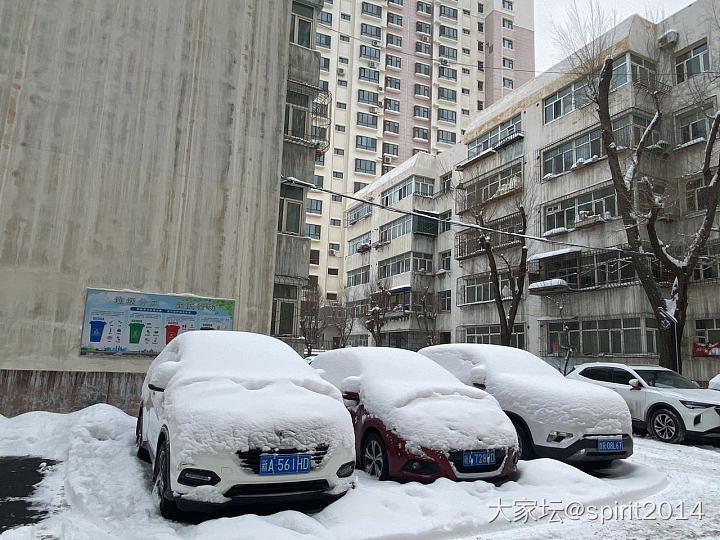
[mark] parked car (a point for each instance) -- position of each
(714, 383)
(233, 418)
(661, 401)
(415, 421)
(554, 417)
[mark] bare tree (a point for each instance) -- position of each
(376, 316)
(312, 320)
(670, 314)
(427, 314)
(340, 317)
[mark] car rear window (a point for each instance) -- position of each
(603, 374)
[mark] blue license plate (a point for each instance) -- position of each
(610, 445)
(480, 457)
(290, 464)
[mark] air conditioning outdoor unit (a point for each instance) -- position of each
(341, 71)
(380, 103)
(425, 39)
(372, 64)
(443, 61)
(381, 89)
(373, 110)
(668, 38)
(375, 42)
(331, 252)
(387, 159)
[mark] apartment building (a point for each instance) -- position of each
(140, 183)
(540, 149)
(405, 77)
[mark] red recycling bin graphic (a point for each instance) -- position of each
(171, 331)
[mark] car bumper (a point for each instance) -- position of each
(448, 469)
(585, 450)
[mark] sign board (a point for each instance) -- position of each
(136, 323)
(706, 349)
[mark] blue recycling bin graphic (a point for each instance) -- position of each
(96, 330)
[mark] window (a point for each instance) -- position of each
(565, 212)
(707, 330)
(331, 295)
(390, 149)
(508, 63)
(313, 231)
(413, 184)
(424, 7)
(507, 43)
(394, 265)
(290, 212)
(446, 183)
(479, 288)
(339, 151)
(445, 300)
(318, 180)
(629, 335)
(447, 11)
(393, 61)
(507, 180)
(392, 83)
(367, 74)
(563, 157)
(420, 133)
(481, 85)
(507, 23)
(365, 96)
(370, 31)
(693, 125)
(507, 5)
(447, 73)
(344, 38)
(325, 18)
(314, 256)
(422, 48)
(364, 166)
(396, 228)
(480, 46)
(323, 85)
(392, 105)
(466, 51)
(338, 175)
(465, 112)
(447, 52)
(480, 27)
(357, 186)
(491, 138)
(466, 31)
(387, 168)
(422, 27)
(345, 16)
(642, 70)
(696, 195)
(490, 334)
(357, 213)
(301, 24)
(422, 262)
(394, 18)
(395, 41)
(337, 198)
(341, 82)
(320, 160)
(448, 32)
(421, 112)
(322, 40)
(391, 127)
(339, 128)
(284, 307)
(365, 143)
(360, 276)
(422, 69)
(507, 83)
(332, 245)
(446, 115)
(372, 10)
(481, 8)
(324, 64)
(333, 272)
(297, 114)
(468, 241)
(445, 258)
(371, 53)
(693, 62)
(447, 137)
(396, 2)
(465, 91)
(481, 65)
(343, 60)
(447, 94)
(366, 119)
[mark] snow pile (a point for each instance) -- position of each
(423, 403)
(555, 253)
(235, 391)
(557, 230)
(526, 385)
(715, 383)
(547, 284)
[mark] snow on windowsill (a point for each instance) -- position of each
(690, 143)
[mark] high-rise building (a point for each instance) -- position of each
(405, 77)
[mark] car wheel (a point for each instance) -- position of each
(142, 452)
(374, 457)
(525, 445)
(161, 483)
(667, 426)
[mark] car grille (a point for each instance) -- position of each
(456, 458)
(250, 460)
(277, 488)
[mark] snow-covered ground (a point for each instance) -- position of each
(101, 491)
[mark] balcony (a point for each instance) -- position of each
(468, 242)
(494, 185)
(307, 116)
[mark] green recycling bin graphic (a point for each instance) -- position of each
(136, 328)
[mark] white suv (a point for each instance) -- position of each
(232, 418)
(660, 400)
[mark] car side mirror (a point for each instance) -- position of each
(635, 384)
(350, 389)
(161, 376)
(478, 376)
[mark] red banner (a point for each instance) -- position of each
(706, 349)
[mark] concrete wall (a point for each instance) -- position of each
(139, 148)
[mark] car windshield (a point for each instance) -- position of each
(661, 378)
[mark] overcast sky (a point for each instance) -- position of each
(546, 11)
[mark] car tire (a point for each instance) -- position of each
(526, 450)
(161, 483)
(142, 452)
(667, 426)
(374, 457)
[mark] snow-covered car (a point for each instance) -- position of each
(233, 418)
(554, 417)
(415, 421)
(661, 401)
(714, 383)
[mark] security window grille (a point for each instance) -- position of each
(468, 242)
(693, 62)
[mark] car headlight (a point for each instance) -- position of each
(697, 405)
(557, 436)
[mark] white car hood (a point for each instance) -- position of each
(562, 404)
(690, 394)
(221, 416)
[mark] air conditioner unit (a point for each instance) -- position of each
(425, 39)
(372, 64)
(331, 252)
(373, 110)
(381, 89)
(668, 39)
(375, 42)
(387, 159)
(380, 103)
(443, 61)
(341, 71)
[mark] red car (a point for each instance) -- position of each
(415, 421)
